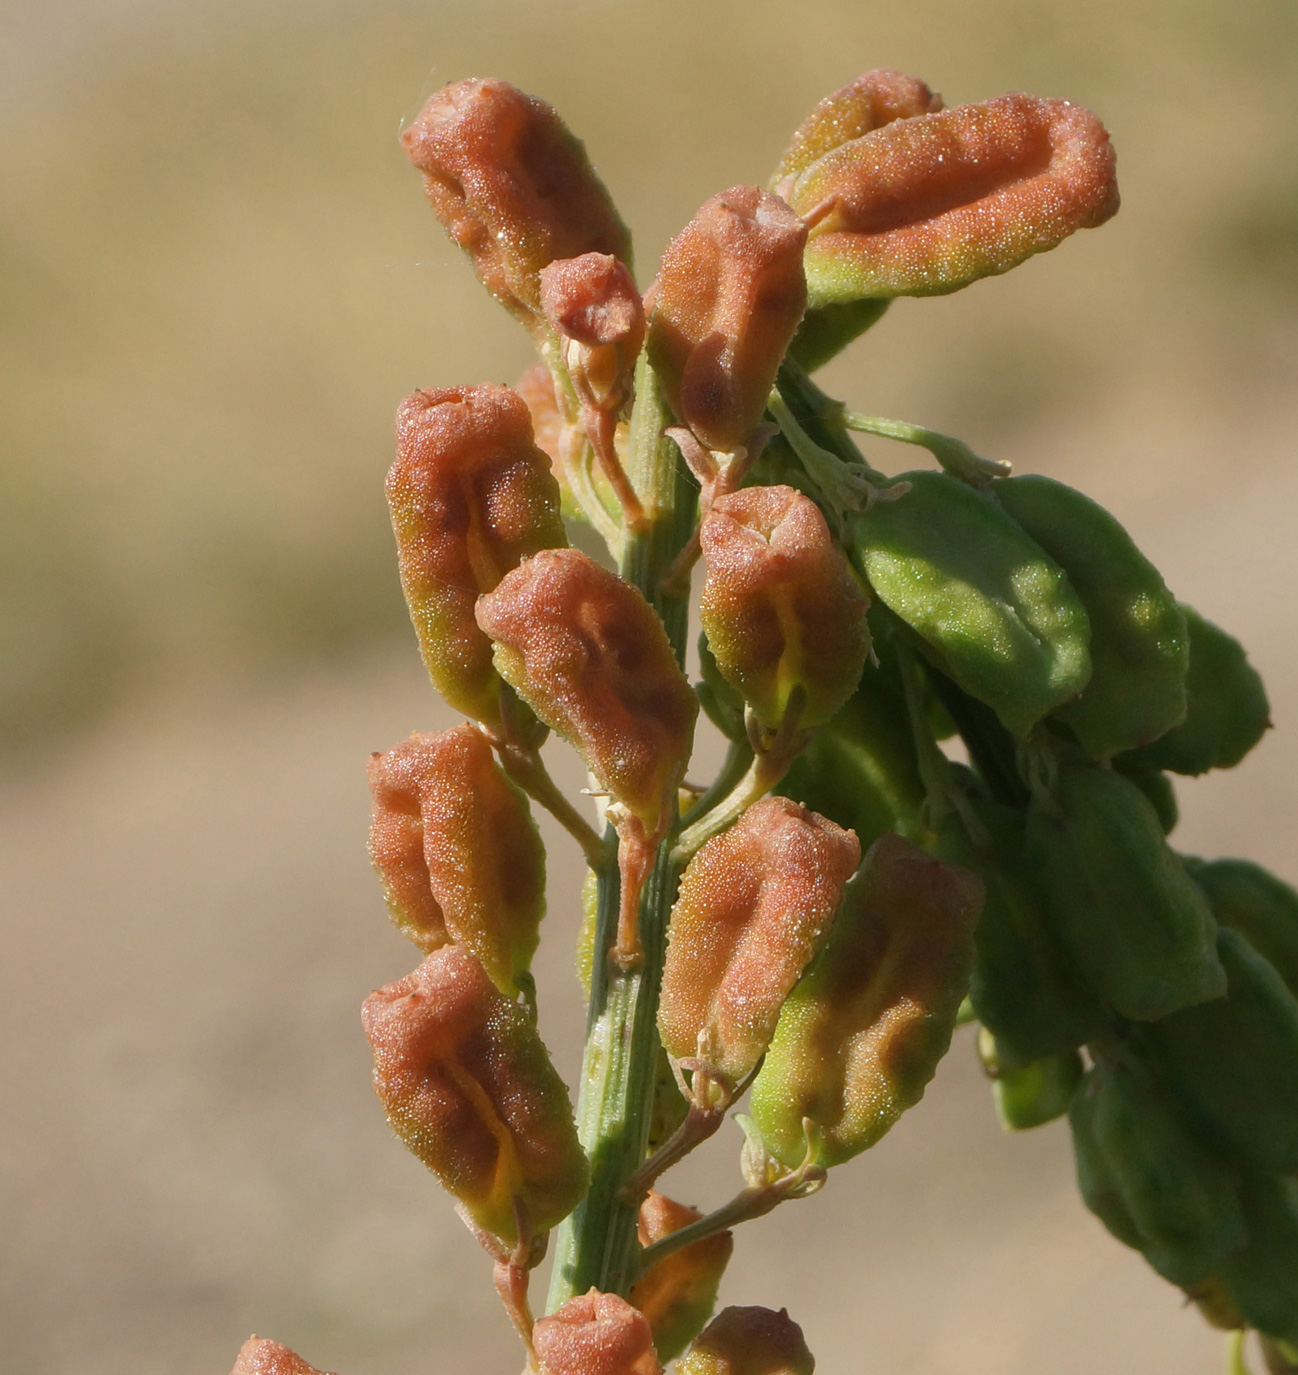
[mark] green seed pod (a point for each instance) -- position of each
(1156, 786)
(595, 1334)
(260, 1356)
(1136, 930)
(827, 330)
(1261, 907)
(1227, 711)
(1262, 1276)
(993, 609)
(1139, 641)
(1140, 1167)
(749, 1341)
(1234, 1061)
(721, 703)
(1215, 1305)
(860, 1037)
(1030, 1095)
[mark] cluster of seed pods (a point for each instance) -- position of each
(815, 924)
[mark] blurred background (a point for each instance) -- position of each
(219, 278)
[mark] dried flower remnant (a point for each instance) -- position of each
(925, 206)
(754, 907)
(595, 1334)
(783, 611)
(470, 1089)
(261, 1356)
(471, 495)
(749, 1341)
(513, 187)
(457, 851)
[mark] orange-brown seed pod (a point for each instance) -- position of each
(729, 294)
(471, 495)
(927, 205)
(595, 1334)
(513, 187)
(261, 1356)
(749, 1341)
(869, 102)
(755, 904)
(457, 852)
(470, 1089)
(677, 1295)
(536, 387)
(781, 607)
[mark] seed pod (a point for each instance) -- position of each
(782, 609)
(1134, 927)
(1140, 1167)
(860, 1037)
(593, 305)
(1215, 1305)
(995, 612)
(1262, 1276)
(595, 1334)
(729, 294)
(471, 495)
(1156, 785)
(927, 205)
(754, 905)
(1227, 711)
(590, 656)
(469, 1087)
(1030, 1095)
(512, 186)
(677, 1295)
(1261, 907)
(1139, 641)
(749, 1341)
(261, 1356)
(457, 851)
(825, 331)
(1234, 1060)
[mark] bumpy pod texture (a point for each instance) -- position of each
(590, 656)
(754, 906)
(862, 1034)
(595, 1334)
(749, 1341)
(592, 302)
(781, 607)
(471, 495)
(925, 206)
(512, 186)
(260, 1356)
(457, 851)
(728, 298)
(469, 1087)
(869, 102)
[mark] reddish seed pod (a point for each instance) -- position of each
(513, 187)
(781, 607)
(749, 1341)
(755, 904)
(593, 304)
(728, 298)
(457, 851)
(470, 1089)
(260, 1356)
(927, 205)
(471, 495)
(595, 1334)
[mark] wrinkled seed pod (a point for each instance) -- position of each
(593, 303)
(512, 185)
(781, 606)
(748, 1341)
(261, 1356)
(536, 387)
(595, 1334)
(471, 495)
(729, 294)
(469, 1087)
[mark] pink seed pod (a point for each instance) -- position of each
(471, 495)
(782, 610)
(469, 1088)
(924, 206)
(869, 102)
(595, 1334)
(457, 851)
(512, 186)
(260, 1356)
(749, 1341)
(728, 298)
(536, 387)
(755, 905)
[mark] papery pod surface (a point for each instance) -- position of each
(1234, 1060)
(1262, 1276)
(754, 906)
(1139, 642)
(860, 1037)
(1029, 1095)
(457, 850)
(471, 495)
(749, 1341)
(595, 1334)
(1261, 907)
(995, 612)
(1132, 924)
(261, 1356)
(470, 1089)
